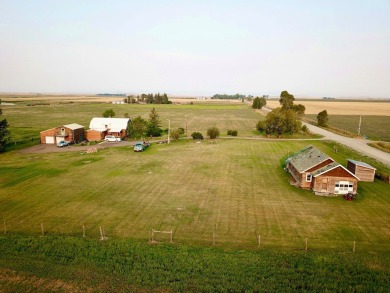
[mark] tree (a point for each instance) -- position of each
(322, 118)
(154, 124)
(299, 110)
(137, 127)
(279, 121)
(175, 134)
(258, 103)
(4, 134)
(213, 132)
(1, 111)
(286, 100)
(109, 113)
(197, 136)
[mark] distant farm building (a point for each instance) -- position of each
(364, 171)
(70, 132)
(312, 169)
(100, 127)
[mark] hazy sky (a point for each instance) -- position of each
(310, 48)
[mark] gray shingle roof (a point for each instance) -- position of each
(307, 158)
(361, 164)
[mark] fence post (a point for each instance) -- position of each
(214, 238)
(353, 247)
(259, 239)
(5, 228)
(171, 236)
(83, 231)
(43, 232)
(306, 244)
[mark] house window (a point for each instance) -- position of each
(308, 177)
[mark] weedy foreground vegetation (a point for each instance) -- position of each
(234, 188)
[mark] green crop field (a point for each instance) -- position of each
(374, 127)
(234, 188)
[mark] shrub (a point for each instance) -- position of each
(175, 134)
(304, 128)
(197, 136)
(213, 132)
(232, 132)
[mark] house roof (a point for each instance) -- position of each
(73, 126)
(329, 167)
(307, 158)
(361, 164)
(101, 124)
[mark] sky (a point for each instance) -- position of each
(309, 48)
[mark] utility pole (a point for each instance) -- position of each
(360, 123)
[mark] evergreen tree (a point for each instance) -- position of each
(154, 124)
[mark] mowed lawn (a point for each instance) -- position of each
(27, 121)
(236, 189)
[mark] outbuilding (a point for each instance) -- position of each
(364, 171)
(70, 132)
(100, 127)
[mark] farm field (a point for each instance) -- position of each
(374, 127)
(342, 107)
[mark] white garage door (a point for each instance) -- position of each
(49, 139)
(343, 187)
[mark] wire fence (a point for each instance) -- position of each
(15, 142)
(176, 237)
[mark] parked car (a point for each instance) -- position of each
(141, 146)
(112, 138)
(63, 143)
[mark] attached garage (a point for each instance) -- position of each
(50, 139)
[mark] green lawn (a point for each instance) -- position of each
(234, 188)
(374, 127)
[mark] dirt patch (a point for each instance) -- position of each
(10, 278)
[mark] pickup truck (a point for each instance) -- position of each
(141, 146)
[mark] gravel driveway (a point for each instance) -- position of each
(357, 144)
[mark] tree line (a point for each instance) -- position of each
(148, 99)
(4, 132)
(231, 97)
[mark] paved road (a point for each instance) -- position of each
(357, 144)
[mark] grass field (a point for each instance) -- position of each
(374, 127)
(234, 188)
(26, 122)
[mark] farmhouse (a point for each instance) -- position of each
(314, 170)
(70, 132)
(364, 171)
(100, 127)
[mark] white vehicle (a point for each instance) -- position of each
(112, 138)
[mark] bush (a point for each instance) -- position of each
(175, 134)
(232, 132)
(304, 128)
(213, 132)
(197, 136)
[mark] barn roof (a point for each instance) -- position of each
(73, 126)
(307, 158)
(361, 164)
(329, 167)
(101, 124)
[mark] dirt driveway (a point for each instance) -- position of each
(52, 148)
